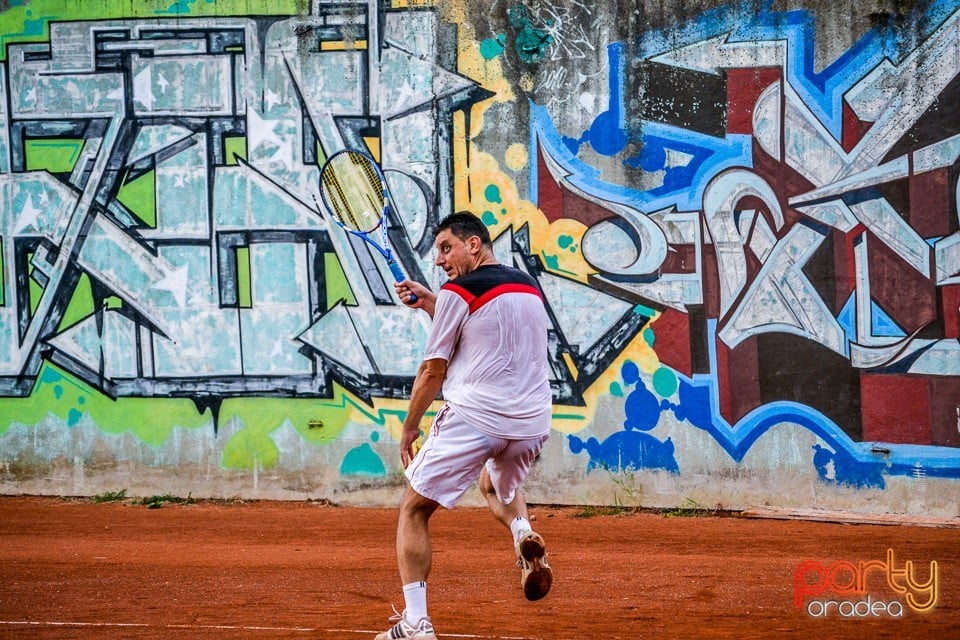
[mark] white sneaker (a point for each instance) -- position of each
(422, 630)
(536, 576)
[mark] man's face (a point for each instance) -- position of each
(455, 256)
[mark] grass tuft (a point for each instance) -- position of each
(155, 502)
(110, 496)
(691, 509)
(593, 511)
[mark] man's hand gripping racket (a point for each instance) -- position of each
(355, 194)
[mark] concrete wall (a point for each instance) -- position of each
(743, 218)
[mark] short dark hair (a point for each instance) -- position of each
(464, 224)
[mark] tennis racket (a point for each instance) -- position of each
(354, 191)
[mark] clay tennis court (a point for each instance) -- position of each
(75, 569)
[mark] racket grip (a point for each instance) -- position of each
(400, 276)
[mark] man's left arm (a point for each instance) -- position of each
(426, 387)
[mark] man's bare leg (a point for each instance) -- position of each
(536, 575)
(505, 513)
(414, 558)
(414, 552)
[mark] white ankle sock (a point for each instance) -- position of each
(518, 525)
(415, 598)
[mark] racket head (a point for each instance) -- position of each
(352, 190)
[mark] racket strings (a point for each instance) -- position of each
(353, 192)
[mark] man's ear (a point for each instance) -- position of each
(474, 244)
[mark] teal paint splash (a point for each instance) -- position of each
(492, 47)
(649, 336)
(552, 262)
(567, 242)
(492, 193)
(531, 43)
(664, 382)
(363, 461)
(181, 7)
(34, 27)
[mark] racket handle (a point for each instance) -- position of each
(400, 276)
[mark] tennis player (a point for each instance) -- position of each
(487, 352)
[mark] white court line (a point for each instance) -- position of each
(225, 627)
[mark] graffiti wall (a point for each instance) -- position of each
(742, 216)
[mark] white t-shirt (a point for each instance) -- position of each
(490, 326)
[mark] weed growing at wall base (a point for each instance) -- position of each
(151, 502)
(155, 502)
(691, 508)
(110, 496)
(615, 509)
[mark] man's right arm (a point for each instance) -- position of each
(426, 299)
(426, 386)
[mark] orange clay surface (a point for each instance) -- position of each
(71, 568)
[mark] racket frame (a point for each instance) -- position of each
(383, 248)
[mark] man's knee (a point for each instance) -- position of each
(414, 505)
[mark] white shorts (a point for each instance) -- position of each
(454, 454)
